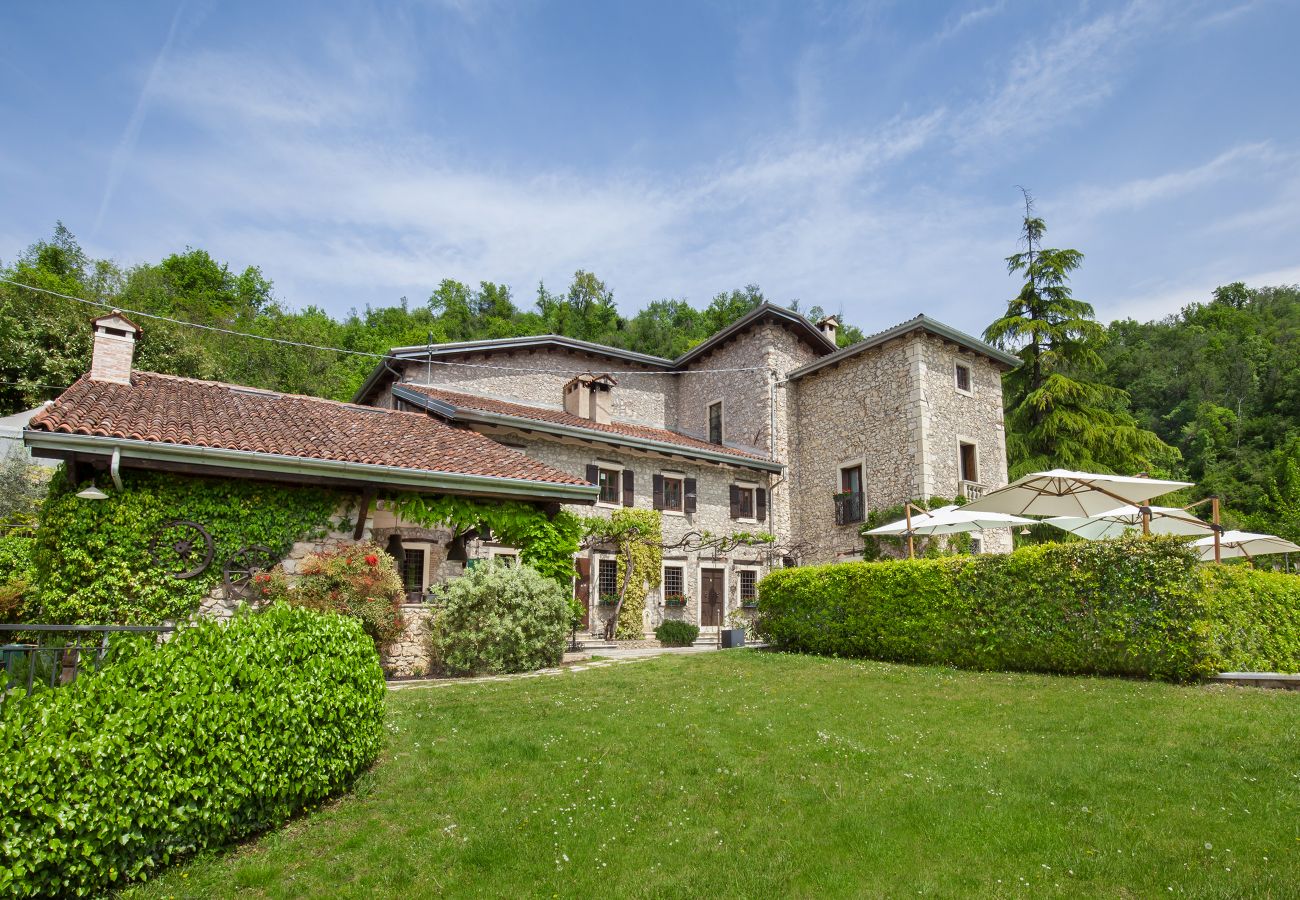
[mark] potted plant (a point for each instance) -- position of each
(676, 600)
(607, 600)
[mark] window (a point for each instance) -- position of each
(413, 570)
(742, 502)
(715, 423)
(849, 502)
(963, 378)
(669, 492)
(976, 544)
(674, 582)
(610, 486)
(607, 577)
(748, 587)
(969, 461)
(505, 557)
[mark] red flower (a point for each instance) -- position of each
(372, 560)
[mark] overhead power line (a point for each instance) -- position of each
(378, 356)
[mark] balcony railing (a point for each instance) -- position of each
(971, 490)
(850, 507)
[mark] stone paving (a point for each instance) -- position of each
(574, 662)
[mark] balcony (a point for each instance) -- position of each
(850, 507)
(971, 490)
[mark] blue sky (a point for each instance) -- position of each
(863, 157)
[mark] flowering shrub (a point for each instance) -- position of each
(360, 581)
(676, 600)
(500, 619)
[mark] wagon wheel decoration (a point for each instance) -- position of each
(182, 549)
(237, 573)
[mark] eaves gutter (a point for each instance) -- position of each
(479, 417)
(920, 323)
(302, 466)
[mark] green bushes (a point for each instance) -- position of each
(676, 633)
(92, 562)
(219, 733)
(1133, 607)
(499, 619)
(1254, 619)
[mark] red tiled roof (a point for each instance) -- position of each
(558, 417)
(171, 410)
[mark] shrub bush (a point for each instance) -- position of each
(1254, 619)
(1131, 607)
(222, 731)
(360, 581)
(676, 633)
(498, 619)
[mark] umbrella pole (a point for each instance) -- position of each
(1146, 521)
(911, 549)
(1214, 518)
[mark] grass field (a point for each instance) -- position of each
(761, 775)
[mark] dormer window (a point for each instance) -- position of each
(715, 423)
(590, 396)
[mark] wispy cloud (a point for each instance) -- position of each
(1135, 194)
(131, 134)
(968, 19)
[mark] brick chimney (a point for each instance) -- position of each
(829, 326)
(115, 337)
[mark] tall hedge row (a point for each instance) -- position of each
(219, 733)
(1133, 607)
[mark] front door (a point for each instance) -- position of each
(582, 588)
(711, 596)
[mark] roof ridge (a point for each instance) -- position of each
(287, 395)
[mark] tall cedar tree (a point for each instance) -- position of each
(1059, 413)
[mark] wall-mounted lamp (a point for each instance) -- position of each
(92, 492)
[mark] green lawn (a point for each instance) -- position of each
(761, 775)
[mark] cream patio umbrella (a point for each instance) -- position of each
(1117, 522)
(1061, 492)
(946, 520)
(1243, 543)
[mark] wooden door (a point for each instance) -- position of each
(582, 588)
(712, 593)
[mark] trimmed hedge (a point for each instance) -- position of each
(223, 731)
(676, 633)
(1131, 607)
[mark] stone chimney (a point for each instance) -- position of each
(829, 326)
(590, 396)
(115, 337)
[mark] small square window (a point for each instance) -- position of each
(963, 378)
(748, 587)
(413, 570)
(607, 578)
(674, 582)
(672, 494)
(744, 503)
(611, 486)
(715, 423)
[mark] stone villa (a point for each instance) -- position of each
(765, 427)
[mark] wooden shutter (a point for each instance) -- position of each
(582, 588)
(735, 501)
(658, 491)
(593, 474)
(629, 488)
(689, 501)
(760, 504)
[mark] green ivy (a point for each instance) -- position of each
(1139, 606)
(91, 558)
(221, 732)
(638, 533)
(547, 543)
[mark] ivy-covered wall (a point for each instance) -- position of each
(92, 561)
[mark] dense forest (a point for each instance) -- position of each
(1211, 393)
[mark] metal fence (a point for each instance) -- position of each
(34, 657)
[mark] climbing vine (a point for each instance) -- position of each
(92, 561)
(638, 535)
(547, 543)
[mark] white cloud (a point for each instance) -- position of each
(967, 20)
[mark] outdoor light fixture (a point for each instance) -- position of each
(1025, 530)
(92, 492)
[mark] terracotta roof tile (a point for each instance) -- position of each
(558, 417)
(172, 410)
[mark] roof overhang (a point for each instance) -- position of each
(807, 330)
(467, 416)
(920, 323)
(299, 468)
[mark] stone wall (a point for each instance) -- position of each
(648, 399)
(409, 654)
